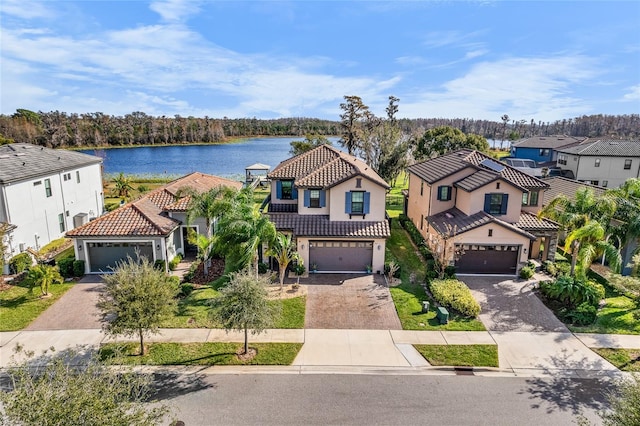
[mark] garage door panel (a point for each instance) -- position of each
(488, 260)
(341, 255)
(105, 256)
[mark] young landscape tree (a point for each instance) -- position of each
(284, 251)
(122, 186)
(43, 276)
(137, 298)
(58, 392)
(243, 304)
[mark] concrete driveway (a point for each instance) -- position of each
(344, 301)
(75, 310)
(510, 305)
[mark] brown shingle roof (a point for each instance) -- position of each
(476, 180)
(146, 216)
(560, 185)
(445, 223)
(324, 167)
(440, 167)
(531, 222)
(321, 226)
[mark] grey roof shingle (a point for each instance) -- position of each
(19, 161)
(605, 148)
(560, 185)
(454, 221)
(551, 142)
(321, 226)
(324, 167)
(438, 168)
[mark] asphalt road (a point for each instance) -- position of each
(342, 399)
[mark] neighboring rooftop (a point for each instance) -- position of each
(20, 161)
(560, 185)
(324, 167)
(320, 226)
(551, 142)
(605, 147)
(147, 216)
(453, 222)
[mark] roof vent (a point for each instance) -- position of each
(449, 215)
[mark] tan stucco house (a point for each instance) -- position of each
(479, 213)
(334, 206)
(154, 226)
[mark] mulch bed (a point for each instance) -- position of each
(216, 270)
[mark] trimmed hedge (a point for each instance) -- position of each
(20, 263)
(456, 295)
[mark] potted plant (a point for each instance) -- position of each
(368, 268)
(314, 267)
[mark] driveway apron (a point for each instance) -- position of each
(343, 301)
(75, 310)
(510, 305)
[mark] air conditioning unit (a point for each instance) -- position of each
(80, 219)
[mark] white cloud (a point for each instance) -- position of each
(633, 94)
(26, 9)
(175, 10)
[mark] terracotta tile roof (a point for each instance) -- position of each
(147, 216)
(569, 187)
(552, 142)
(321, 226)
(446, 222)
(435, 169)
(324, 167)
(605, 148)
(531, 222)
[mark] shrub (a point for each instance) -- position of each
(584, 314)
(450, 271)
(299, 268)
(78, 268)
(562, 268)
(66, 267)
(526, 272)
(456, 295)
(263, 267)
(531, 265)
(573, 292)
(174, 262)
(192, 271)
(20, 262)
(186, 289)
(392, 269)
(159, 264)
(550, 268)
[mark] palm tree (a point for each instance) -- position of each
(284, 251)
(586, 243)
(122, 186)
(43, 276)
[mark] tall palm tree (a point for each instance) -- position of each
(284, 251)
(586, 243)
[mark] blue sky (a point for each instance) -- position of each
(268, 59)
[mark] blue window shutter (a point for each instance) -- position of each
(505, 200)
(487, 203)
(278, 190)
(367, 198)
(294, 193)
(307, 198)
(323, 199)
(347, 202)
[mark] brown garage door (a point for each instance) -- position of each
(341, 256)
(485, 259)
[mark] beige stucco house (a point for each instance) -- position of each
(155, 226)
(479, 213)
(334, 206)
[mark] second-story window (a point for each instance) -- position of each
(314, 198)
(444, 193)
(496, 203)
(357, 202)
(597, 164)
(562, 159)
(47, 187)
(286, 190)
(530, 198)
(627, 164)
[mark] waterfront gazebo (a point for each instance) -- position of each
(256, 172)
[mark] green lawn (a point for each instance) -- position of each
(614, 318)
(408, 296)
(193, 311)
(624, 359)
(395, 199)
(460, 355)
(207, 353)
(18, 307)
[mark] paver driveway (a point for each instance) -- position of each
(344, 301)
(75, 310)
(510, 305)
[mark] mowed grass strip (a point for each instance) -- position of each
(408, 296)
(205, 353)
(193, 311)
(19, 307)
(625, 359)
(460, 355)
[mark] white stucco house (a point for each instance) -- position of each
(46, 192)
(334, 206)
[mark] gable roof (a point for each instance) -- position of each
(324, 167)
(147, 215)
(560, 185)
(605, 148)
(438, 168)
(551, 142)
(19, 161)
(454, 222)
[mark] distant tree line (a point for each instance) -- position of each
(60, 129)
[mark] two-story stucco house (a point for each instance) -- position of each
(604, 162)
(154, 226)
(334, 206)
(542, 149)
(479, 213)
(46, 192)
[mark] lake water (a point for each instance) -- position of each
(227, 160)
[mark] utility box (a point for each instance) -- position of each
(442, 315)
(425, 307)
